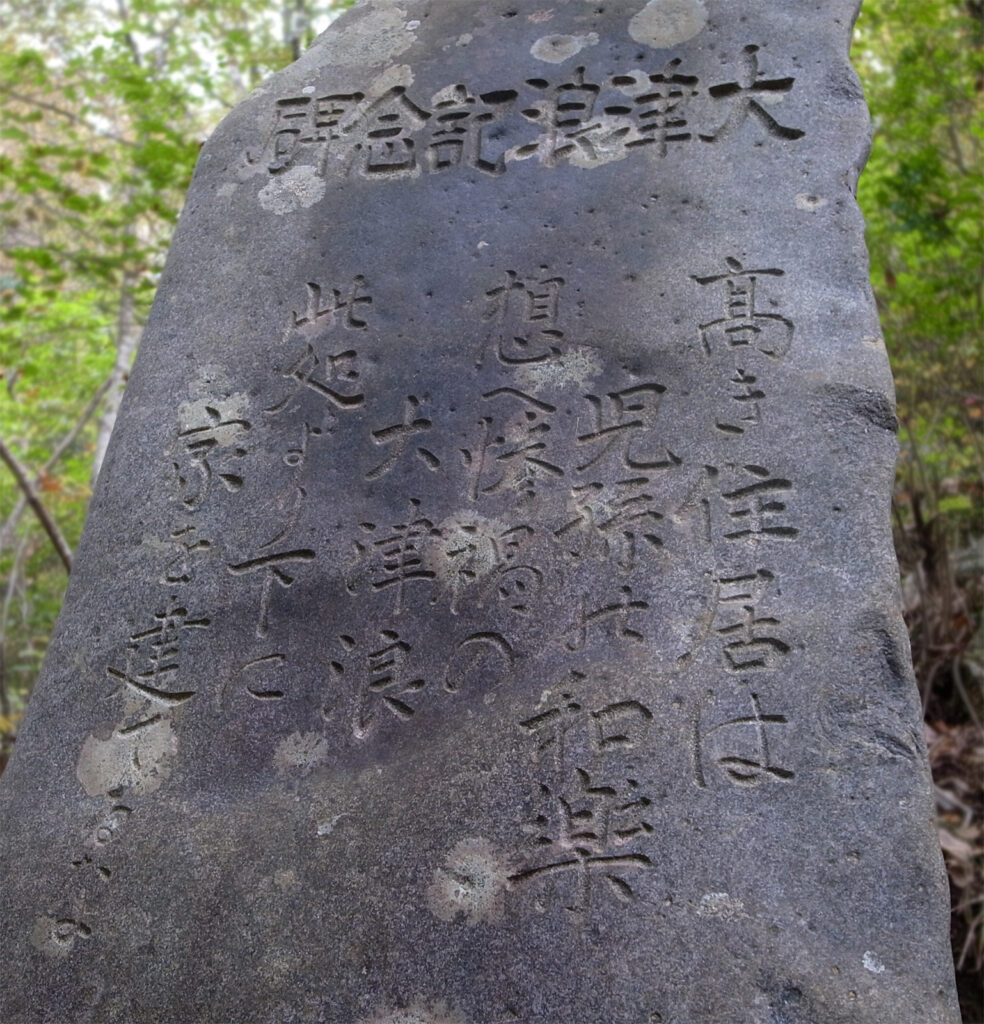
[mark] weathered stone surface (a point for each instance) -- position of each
(487, 611)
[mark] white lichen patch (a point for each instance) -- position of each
(606, 144)
(57, 937)
(665, 23)
(556, 49)
(137, 758)
(418, 1012)
(296, 189)
(464, 551)
(328, 825)
(810, 203)
(382, 33)
(223, 416)
(471, 884)
(285, 879)
(720, 904)
(871, 963)
(466, 539)
(576, 366)
(300, 753)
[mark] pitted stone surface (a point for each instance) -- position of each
(487, 611)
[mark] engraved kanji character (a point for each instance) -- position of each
(565, 117)
(387, 681)
(512, 452)
(525, 311)
(65, 931)
(747, 396)
(619, 515)
(590, 829)
(398, 436)
(743, 93)
(519, 587)
(292, 116)
(459, 123)
(476, 552)
(608, 730)
(397, 560)
(338, 384)
(110, 825)
(86, 860)
(744, 325)
(740, 746)
(753, 646)
(386, 146)
(152, 657)
(659, 102)
(751, 640)
(550, 727)
(327, 302)
(95, 855)
(178, 569)
(622, 422)
(290, 500)
(737, 589)
(211, 438)
(480, 661)
(618, 612)
(755, 509)
(381, 679)
(618, 725)
(272, 567)
(263, 677)
(302, 121)
(295, 456)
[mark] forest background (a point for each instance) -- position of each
(103, 107)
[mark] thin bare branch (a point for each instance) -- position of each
(50, 526)
(7, 530)
(67, 114)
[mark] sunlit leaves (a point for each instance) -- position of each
(922, 194)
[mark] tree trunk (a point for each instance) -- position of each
(127, 338)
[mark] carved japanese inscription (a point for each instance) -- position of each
(487, 612)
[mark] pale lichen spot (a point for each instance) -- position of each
(57, 937)
(871, 963)
(300, 753)
(137, 759)
(418, 1012)
(720, 904)
(810, 203)
(296, 189)
(326, 827)
(470, 884)
(285, 879)
(576, 366)
(556, 49)
(665, 23)
(381, 33)
(464, 549)
(224, 414)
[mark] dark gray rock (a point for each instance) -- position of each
(487, 611)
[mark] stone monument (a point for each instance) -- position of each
(487, 611)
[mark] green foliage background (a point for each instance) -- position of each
(103, 106)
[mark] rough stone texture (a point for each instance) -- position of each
(487, 611)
